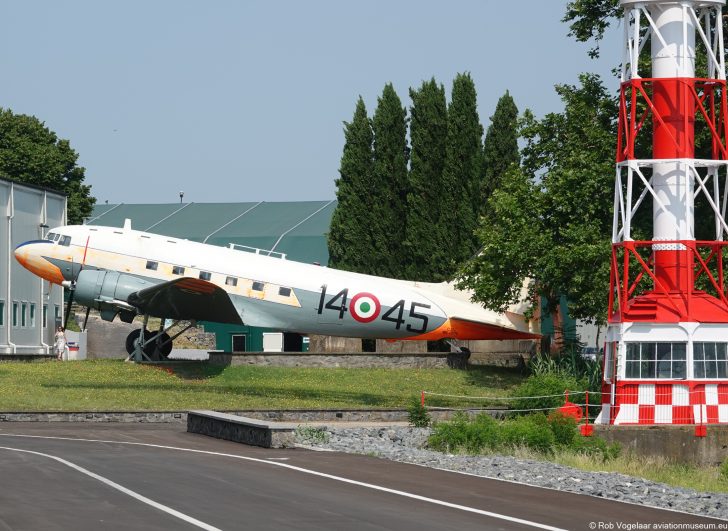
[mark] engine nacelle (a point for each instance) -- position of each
(97, 289)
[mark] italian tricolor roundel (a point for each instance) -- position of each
(364, 307)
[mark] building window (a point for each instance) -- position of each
(2, 313)
(231, 281)
(15, 313)
(284, 292)
(57, 314)
(656, 360)
(178, 270)
(710, 360)
(258, 286)
(239, 343)
(23, 314)
(151, 265)
(45, 316)
(205, 275)
(32, 315)
(609, 359)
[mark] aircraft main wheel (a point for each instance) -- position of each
(133, 337)
(161, 344)
(131, 340)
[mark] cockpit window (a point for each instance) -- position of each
(65, 240)
(52, 236)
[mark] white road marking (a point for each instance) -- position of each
(121, 488)
(311, 472)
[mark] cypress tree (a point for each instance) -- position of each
(500, 148)
(388, 192)
(462, 173)
(349, 238)
(426, 237)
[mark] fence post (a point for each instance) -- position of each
(586, 429)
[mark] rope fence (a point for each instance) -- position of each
(650, 404)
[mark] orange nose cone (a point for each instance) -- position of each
(29, 256)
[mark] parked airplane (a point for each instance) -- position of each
(124, 272)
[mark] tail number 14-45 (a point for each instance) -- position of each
(365, 308)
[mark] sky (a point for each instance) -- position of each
(245, 100)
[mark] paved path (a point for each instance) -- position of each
(158, 476)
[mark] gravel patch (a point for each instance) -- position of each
(408, 445)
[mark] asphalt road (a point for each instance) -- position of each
(157, 476)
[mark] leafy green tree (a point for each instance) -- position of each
(389, 187)
(31, 153)
(590, 19)
(551, 219)
(426, 237)
(350, 237)
(500, 147)
(461, 177)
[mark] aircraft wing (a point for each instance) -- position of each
(187, 299)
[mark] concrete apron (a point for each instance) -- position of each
(674, 443)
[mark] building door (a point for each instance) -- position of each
(292, 342)
(239, 343)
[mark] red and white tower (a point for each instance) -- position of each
(666, 358)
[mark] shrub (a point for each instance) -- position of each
(417, 415)
(531, 431)
(536, 432)
(596, 446)
(564, 428)
(449, 436)
(546, 384)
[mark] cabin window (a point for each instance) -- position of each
(656, 360)
(65, 241)
(152, 265)
(710, 360)
(205, 275)
(178, 270)
(284, 292)
(258, 286)
(231, 281)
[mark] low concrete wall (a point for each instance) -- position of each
(98, 416)
(676, 443)
(350, 359)
(241, 429)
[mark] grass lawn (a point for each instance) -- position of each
(113, 385)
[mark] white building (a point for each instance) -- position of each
(29, 309)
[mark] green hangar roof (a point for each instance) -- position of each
(297, 229)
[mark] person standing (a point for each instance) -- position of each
(60, 343)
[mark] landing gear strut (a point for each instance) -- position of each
(143, 345)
